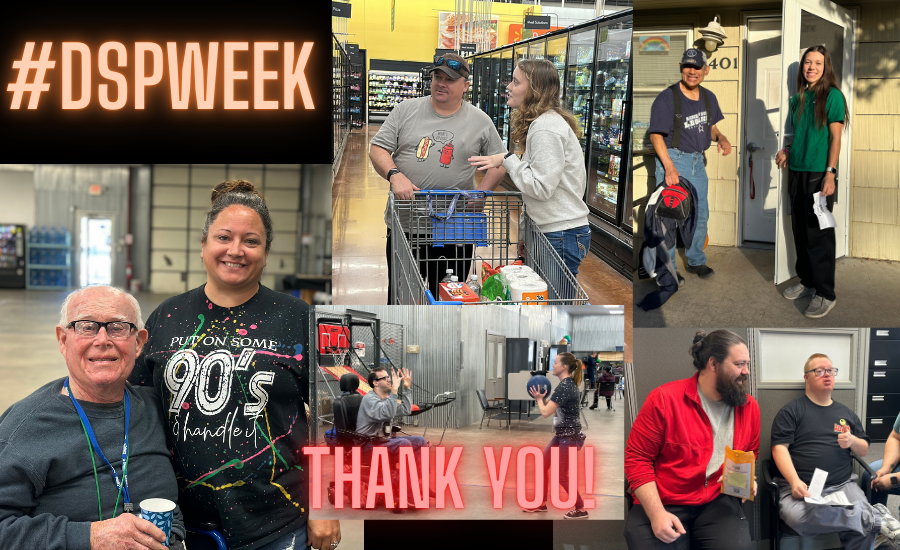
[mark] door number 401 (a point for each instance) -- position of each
(724, 63)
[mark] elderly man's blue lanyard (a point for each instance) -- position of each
(89, 433)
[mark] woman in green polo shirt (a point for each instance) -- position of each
(818, 114)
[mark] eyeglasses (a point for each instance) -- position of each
(382, 378)
(452, 63)
(117, 330)
(822, 372)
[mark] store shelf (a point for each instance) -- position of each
(387, 89)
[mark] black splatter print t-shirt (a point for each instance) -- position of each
(568, 400)
(233, 382)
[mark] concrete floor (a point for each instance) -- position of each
(741, 294)
(359, 274)
(605, 432)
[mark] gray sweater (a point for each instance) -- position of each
(374, 412)
(551, 175)
(48, 497)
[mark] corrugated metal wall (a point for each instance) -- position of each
(598, 332)
(62, 190)
(452, 343)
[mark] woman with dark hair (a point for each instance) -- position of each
(230, 359)
(818, 114)
(551, 173)
(565, 403)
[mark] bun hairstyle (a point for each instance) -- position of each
(717, 344)
(574, 365)
(241, 193)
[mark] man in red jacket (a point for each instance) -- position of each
(676, 450)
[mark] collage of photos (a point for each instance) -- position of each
(577, 275)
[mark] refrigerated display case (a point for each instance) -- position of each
(494, 112)
(608, 129)
(556, 54)
(595, 76)
(536, 48)
(579, 79)
(506, 70)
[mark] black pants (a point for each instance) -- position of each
(714, 526)
(815, 247)
(608, 399)
(457, 258)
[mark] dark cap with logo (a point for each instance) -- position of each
(693, 58)
(460, 70)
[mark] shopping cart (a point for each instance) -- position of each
(489, 226)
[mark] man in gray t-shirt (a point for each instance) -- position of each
(425, 143)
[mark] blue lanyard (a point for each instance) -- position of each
(123, 485)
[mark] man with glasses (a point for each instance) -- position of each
(78, 455)
(816, 432)
(379, 407)
(424, 145)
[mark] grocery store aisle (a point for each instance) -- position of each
(359, 271)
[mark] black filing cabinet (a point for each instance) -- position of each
(883, 393)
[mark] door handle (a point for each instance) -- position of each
(752, 147)
(881, 362)
(877, 398)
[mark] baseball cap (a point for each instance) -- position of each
(694, 58)
(440, 64)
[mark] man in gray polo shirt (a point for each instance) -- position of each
(424, 145)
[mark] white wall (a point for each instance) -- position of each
(17, 192)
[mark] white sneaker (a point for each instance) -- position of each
(890, 527)
(798, 291)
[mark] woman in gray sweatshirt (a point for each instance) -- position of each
(551, 173)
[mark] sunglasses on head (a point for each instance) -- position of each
(452, 63)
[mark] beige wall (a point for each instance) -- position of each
(875, 135)
(874, 130)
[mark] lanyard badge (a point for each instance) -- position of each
(122, 484)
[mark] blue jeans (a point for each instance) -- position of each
(879, 497)
(691, 167)
(563, 445)
(572, 245)
(295, 540)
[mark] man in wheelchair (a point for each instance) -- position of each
(816, 433)
(382, 404)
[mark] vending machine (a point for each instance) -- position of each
(12, 256)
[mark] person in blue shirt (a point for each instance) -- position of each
(680, 140)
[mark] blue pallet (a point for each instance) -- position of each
(460, 228)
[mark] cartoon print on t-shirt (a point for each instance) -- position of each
(425, 144)
(447, 155)
(445, 137)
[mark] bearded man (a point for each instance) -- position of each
(676, 451)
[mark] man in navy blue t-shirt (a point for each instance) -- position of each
(679, 149)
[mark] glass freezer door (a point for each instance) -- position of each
(607, 165)
(536, 49)
(506, 70)
(494, 111)
(579, 77)
(484, 84)
(556, 53)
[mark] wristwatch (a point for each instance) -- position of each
(894, 481)
(390, 173)
(507, 155)
(831, 169)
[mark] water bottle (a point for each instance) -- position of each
(473, 284)
(447, 277)
(32, 278)
(32, 235)
(42, 236)
(53, 236)
(63, 235)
